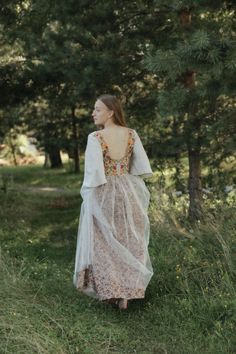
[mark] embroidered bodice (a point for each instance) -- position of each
(115, 167)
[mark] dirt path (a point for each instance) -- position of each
(48, 189)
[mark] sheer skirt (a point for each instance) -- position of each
(112, 259)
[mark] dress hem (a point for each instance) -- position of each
(115, 297)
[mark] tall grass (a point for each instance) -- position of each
(190, 304)
(27, 325)
(196, 269)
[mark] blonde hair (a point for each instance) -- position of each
(114, 105)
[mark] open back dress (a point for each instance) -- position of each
(112, 259)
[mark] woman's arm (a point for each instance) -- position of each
(94, 173)
(140, 164)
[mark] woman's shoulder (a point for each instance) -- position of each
(94, 134)
(102, 132)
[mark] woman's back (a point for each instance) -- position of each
(117, 141)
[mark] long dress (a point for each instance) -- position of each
(112, 259)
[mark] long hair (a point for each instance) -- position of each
(114, 105)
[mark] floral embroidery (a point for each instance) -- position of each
(116, 167)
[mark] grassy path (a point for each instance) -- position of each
(189, 305)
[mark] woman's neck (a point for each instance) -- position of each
(110, 124)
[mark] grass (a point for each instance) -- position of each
(190, 304)
(36, 176)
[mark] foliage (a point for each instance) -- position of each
(198, 113)
(57, 57)
(68, 58)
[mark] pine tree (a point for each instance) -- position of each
(73, 52)
(195, 60)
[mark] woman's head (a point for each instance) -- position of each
(108, 107)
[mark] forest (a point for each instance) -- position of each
(173, 66)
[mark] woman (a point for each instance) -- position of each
(112, 260)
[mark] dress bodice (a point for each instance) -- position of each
(115, 167)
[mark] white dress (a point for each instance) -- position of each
(112, 259)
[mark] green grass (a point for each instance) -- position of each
(37, 176)
(190, 304)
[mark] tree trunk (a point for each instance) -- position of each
(46, 160)
(194, 148)
(55, 157)
(193, 137)
(75, 142)
(177, 160)
(185, 17)
(194, 184)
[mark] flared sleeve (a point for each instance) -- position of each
(94, 173)
(140, 164)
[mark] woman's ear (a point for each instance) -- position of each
(111, 114)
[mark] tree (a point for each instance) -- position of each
(195, 62)
(66, 56)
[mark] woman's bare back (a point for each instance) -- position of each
(117, 141)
